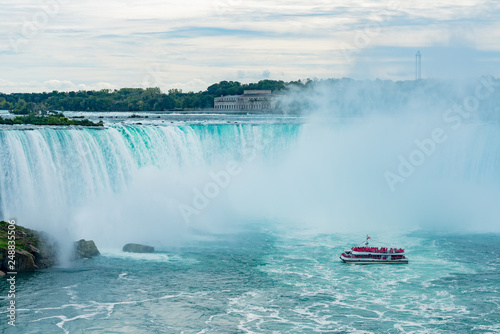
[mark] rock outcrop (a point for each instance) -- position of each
(33, 250)
(85, 249)
(137, 248)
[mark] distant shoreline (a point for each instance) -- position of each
(169, 112)
(133, 99)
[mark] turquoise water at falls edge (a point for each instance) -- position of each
(274, 205)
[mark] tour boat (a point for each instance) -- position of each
(374, 255)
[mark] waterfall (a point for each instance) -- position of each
(47, 174)
(102, 182)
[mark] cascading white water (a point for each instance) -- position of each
(48, 176)
(90, 182)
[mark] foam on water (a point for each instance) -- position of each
(154, 257)
(267, 281)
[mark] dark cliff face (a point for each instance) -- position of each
(33, 250)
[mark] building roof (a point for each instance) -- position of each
(250, 93)
(256, 92)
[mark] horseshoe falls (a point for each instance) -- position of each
(52, 177)
(248, 221)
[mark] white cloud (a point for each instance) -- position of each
(195, 42)
(50, 85)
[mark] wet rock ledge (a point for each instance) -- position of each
(35, 250)
(138, 248)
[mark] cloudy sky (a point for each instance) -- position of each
(190, 44)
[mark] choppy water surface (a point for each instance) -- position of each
(268, 281)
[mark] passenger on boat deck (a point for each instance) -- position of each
(378, 250)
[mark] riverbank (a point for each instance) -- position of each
(54, 120)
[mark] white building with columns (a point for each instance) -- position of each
(251, 100)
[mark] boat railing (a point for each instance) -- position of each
(375, 253)
(378, 250)
(375, 257)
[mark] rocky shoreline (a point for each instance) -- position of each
(34, 250)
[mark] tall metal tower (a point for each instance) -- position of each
(418, 66)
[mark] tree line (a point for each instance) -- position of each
(57, 119)
(133, 99)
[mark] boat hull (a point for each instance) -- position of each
(372, 261)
